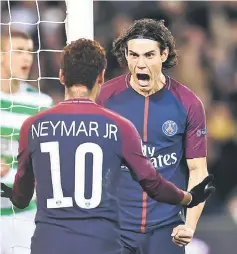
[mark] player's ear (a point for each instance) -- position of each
(4, 56)
(101, 77)
(61, 77)
(165, 55)
(2, 59)
(98, 83)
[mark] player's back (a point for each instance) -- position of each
(76, 155)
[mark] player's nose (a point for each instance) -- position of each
(141, 63)
(27, 58)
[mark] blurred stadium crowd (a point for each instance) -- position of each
(206, 39)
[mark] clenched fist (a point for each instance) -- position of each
(182, 235)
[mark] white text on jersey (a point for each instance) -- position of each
(74, 128)
(159, 161)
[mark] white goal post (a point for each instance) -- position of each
(79, 21)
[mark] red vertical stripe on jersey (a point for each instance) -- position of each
(146, 108)
(144, 194)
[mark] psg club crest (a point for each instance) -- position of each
(170, 128)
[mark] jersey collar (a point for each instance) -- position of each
(77, 101)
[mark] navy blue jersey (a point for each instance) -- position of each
(172, 125)
(73, 153)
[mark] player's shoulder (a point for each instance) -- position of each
(184, 94)
(113, 87)
(33, 96)
(116, 82)
(38, 116)
(116, 118)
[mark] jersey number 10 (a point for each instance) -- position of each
(58, 200)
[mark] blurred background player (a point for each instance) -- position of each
(19, 100)
(171, 121)
(74, 152)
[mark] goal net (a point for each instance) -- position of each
(50, 24)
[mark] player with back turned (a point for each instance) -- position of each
(171, 121)
(74, 151)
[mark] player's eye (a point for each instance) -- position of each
(149, 55)
(134, 55)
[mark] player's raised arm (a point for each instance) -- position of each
(23, 187)
(152, 182)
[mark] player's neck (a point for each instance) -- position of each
(78, 93)
(10, 86)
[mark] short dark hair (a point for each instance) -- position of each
(81, 62)
(151, 29)
(14, 34)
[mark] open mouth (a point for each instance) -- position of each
(25, 68)
(143, 79)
